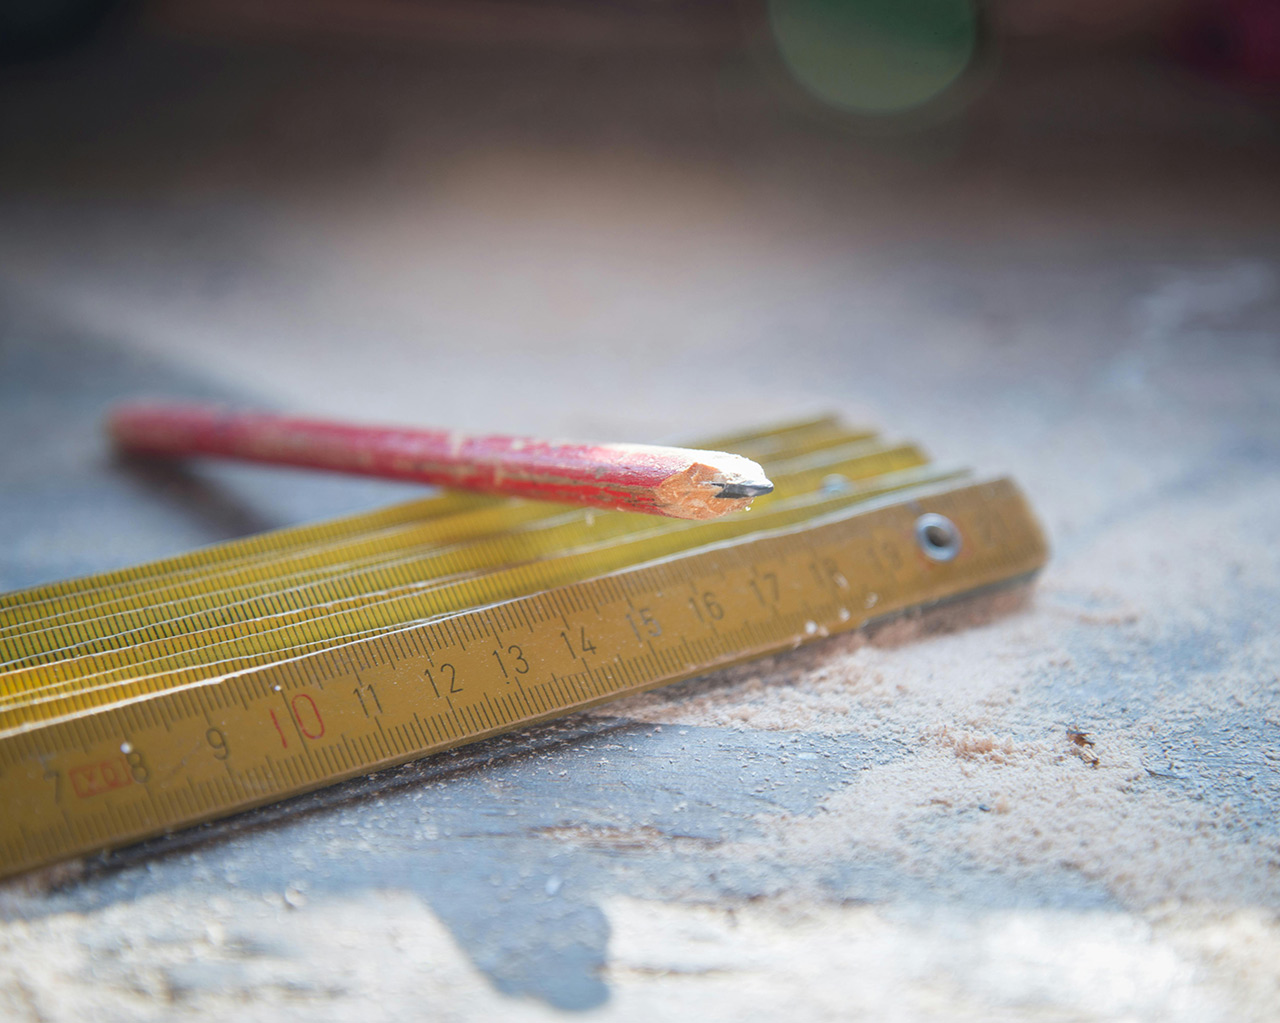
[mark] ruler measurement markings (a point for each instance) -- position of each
(489, 711)
(600, 683)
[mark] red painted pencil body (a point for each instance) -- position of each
(677, 482)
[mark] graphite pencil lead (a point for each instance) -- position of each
(740, 490)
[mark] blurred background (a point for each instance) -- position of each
(992, 225)
(1019, 230)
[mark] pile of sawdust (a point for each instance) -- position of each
(997, 777)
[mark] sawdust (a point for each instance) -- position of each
(975, 787)
(244, 957)
(370, 958)
(618, 839)
(821, 687)
(984, 695)
(46, 879)
(1029, 810)
(754, 963)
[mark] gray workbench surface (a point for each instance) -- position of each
(1077, 282)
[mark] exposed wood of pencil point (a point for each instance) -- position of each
(676, 482)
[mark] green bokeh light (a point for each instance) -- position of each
(875, 56)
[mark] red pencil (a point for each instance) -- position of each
(678, 482)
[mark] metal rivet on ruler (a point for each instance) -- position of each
(937, 536)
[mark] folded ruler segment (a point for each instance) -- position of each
(246, 714)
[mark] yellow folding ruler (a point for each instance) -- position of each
(141, 701)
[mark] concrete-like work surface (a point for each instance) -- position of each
(1077, 282)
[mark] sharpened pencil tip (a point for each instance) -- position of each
(756, 488)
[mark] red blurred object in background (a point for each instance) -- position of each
(1237, 41)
